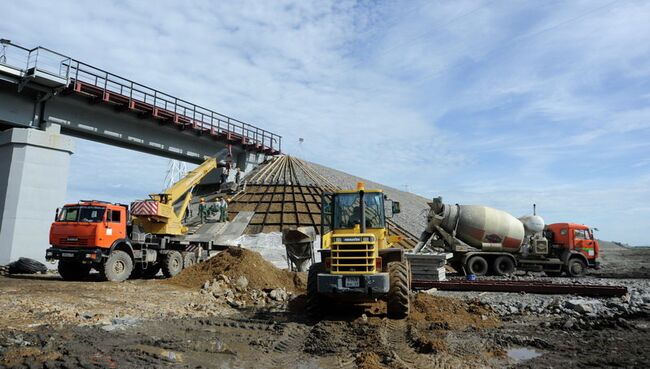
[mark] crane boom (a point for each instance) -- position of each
(159, 215)
(191, 179)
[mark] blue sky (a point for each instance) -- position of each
(502, 103)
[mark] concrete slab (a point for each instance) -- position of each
(234, 229)
(207, 232)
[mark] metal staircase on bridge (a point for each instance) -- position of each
(69, 76)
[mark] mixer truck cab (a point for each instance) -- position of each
(358, 262)
(573, 237)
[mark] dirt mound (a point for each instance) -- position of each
(448, 313)
(235, 262)
(369, 360)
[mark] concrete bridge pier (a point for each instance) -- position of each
(34, 167)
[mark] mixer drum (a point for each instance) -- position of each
(488, 228)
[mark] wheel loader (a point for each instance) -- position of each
(358, 261)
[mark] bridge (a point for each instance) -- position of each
(47, 97)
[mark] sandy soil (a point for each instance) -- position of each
(50, 323)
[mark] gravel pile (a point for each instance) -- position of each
(414, 208)
(238, 294)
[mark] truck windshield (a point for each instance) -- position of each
(91, 214)
(347, 212)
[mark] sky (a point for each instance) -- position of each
(500, 103)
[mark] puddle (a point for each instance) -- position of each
(522, 353)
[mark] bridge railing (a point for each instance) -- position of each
(59, 65)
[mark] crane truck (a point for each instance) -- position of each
(485, 240)
(358, 260)
(98, 234)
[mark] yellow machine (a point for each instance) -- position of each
(358, 260)
(163, 214)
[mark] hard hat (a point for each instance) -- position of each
(202, 199)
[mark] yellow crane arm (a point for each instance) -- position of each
(167, 218)
(178, 189)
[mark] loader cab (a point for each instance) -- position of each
(573, 236)
(88, 224)
(342, 215)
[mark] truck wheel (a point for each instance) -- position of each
(398, 295)
(173, 264)
(503, 265)
(71, 271)
(477, 265)
(315, 300)
(576, 268)
(189, 260)
(117, 267)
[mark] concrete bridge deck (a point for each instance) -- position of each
(46, 96)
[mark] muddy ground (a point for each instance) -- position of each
(48, 323)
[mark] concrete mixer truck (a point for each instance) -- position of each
(486, 241)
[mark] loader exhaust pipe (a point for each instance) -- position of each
(362, 207)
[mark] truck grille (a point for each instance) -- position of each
(353, 258)
(79, 242)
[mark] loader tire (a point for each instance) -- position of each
(72, 271)
(503, 265)
(172, 264)
(315, 301)
(398, 295)
(477, 265)
(118, 267)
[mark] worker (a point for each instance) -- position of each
(224, 210)
(213, 209)
(219, 209)
(237, 176)
(224, 176)
(203, 210)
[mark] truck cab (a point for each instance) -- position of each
(82, 234)
(573, 237)
(88, 224)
